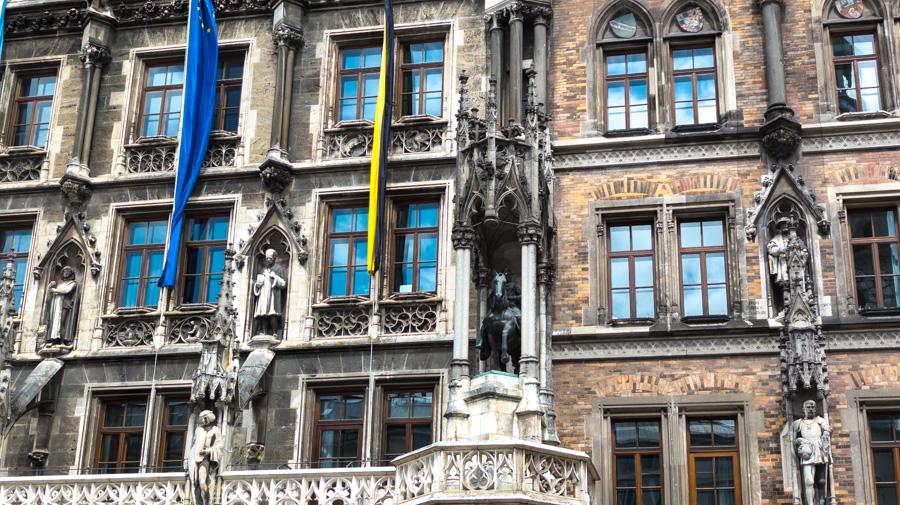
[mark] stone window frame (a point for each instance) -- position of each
(135, 69)
(119, 216)
(840, 200)
(659, 42)
(372, 433)
(326, 199)
(665, 213)
(404, 33)
(673, 413)
(855, 421)
(156, 394)
(827, 23)
(20, 220)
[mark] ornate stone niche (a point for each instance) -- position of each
(269, 277)
(787, 258)
(63, 291)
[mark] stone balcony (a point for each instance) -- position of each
(462, 472)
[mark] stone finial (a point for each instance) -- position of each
(215, 378)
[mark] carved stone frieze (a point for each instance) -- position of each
(150, 11)
(130, 332)
(342, 321)
(27, 24)
(21, 167)
(409, 318)
(160, 156)
(288, 36)
(405, 139)
(95, 55)
(187, 329)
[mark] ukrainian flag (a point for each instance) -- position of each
(381, 143)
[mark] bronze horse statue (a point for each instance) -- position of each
(500, 333)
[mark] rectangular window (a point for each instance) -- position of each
(142, 262)
(347, 252)
(229, 78)
(161, 111)
(339, 421)
(121, 436)
(18, 241)
(703, 276)
(856, 72)
(34, 103)
(884, 434)
(422, 79)
(694, 75)
(407, 422)
(638, 463)
(416, 246)
(174, 435)
(358, 83)
(713, 462)
(631, 272)
(204, 258)
(626, 91)
(876, 262)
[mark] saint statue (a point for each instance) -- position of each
(61, 309)
(778, 257)
(813, 445)
(203, 460)
(270, 283)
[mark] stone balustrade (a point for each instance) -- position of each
(121, 489)
(333, 486)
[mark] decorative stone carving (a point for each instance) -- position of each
(130, 333)
(62, 311)
(813, 454)
(278, 216)
(44, 22)
(405, 139)
(253, 453)
(342, 322)
(74, 229)
(781, 143)
(150, 11)
(270, 282)
(159, 156)
(76, 189)
(187, 330)
(203, 460)
(215, 378)
(530, 233)
(409, 319)
(463, 237)
(276, 175)
(21, 167)
(95, 55)
(288, 36)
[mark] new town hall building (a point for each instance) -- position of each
(635, 253)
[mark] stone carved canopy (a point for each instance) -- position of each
(73, 231)
(278, 217)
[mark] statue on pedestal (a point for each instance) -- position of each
(500, 334)
(61, 310)
(203, 460)
(813, 449)
(270, 283)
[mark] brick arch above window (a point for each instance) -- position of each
(886, 375)
(600, 29)
(865, 175)
(633, 383)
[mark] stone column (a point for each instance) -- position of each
(94, 57)
(516, 23)
(529, 409)
(288, 40)
(546, 273)
(496, 51)
(774, 51)
(463, 238)
(480, 278)
(541, 20)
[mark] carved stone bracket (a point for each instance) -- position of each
(288, 36)
(530, 232)
(76, 189)
(275, 174)
(95, 55)
(463, 237)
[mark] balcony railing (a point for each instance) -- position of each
(21, 166)
(344, 486)
(157, 155)
(123, 489)
(356, 142)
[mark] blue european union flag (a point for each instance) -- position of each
(2, 11)
(196, 120)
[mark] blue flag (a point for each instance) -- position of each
(196, 119)
(2, 11)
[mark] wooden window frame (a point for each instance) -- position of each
(397, 232)
(693, 72)
(873, 242)
(122, 432)
(409, 422)
(20, 100)
(349, 235)
(17, 255)
(166, 429)
(893, 446)
(221, 86)
(713, 451)
(145, 248)
(341, 425)
(165, 90)
(637, 453)
(854, 61)
(627, 78)
(421, 67)
(205, 245)
(359, 72)
(631, 254)
(703, 251)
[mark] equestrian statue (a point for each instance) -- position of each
(500, 335)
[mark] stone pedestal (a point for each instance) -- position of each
(492, 400)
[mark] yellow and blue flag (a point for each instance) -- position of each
(381, 142)
(196, 119)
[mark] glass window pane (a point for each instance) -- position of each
(865, 292)
(690, 269)
(156, 76)
(868, 73)
(398, 405)
(648, 434)
(615, 119)
(349, 86)
(216, 259)
(682, 59)
(844, 75)
(883, 464)
(350, 59)
(652, 496)
(619, 238)
(890, 291)
(115, 416)
(361, 219)
(329, 407)
(717, 299)
(863, 45)
(625, 471)
(638, 116)
(724, 472)
(413, 53)
(157, 231)
(626, 497)
(403, 278)
(174, 449)
(151, 292)
(700, 433)
(434, 79)
(427, 277)
(337, 282)
(712, 233)
(690, 235)
(191, 290)
(340, 220)
(46, 85)
(406, 216)
(42, 112)
(886, 495)
(883, 222)
(340, 249)
(684, 88)
(150, 126)
(353, 406)
(360, 251)
(20, 136)
(725, 497)
(153, 102)
(233, 96)
(637, 63)
(21, 241)
(133, 260)
(396, 440)
(175, 74)
(371, 57)
(637, 92)
(194, 260)
(134, 414)
(715, 267)
(842, 46)
(615, 65)
(404, 247)
(619, 275)
(871, 100)
(155, 260)
(615, 94)
(643, 271)
(198, 229)
(428, 247)
(40, 135)
(109, 448)
(421, 404)
(428, 214)
(434, 51)
(360, 281)
(888, 261)
(218, 228)
(703, 58)
(328, 445)
(421, 434)
(684, 113)
(214, 285)
(706, 111)
(130, 292)
(621, 304)
(626, 435)
(693, 300)
(641, 237)
(706, 86)
(703, 472)
(178, 414)
(862, 260)
(650, 470)
(644, 302)
(171, 125)
(348, 110)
